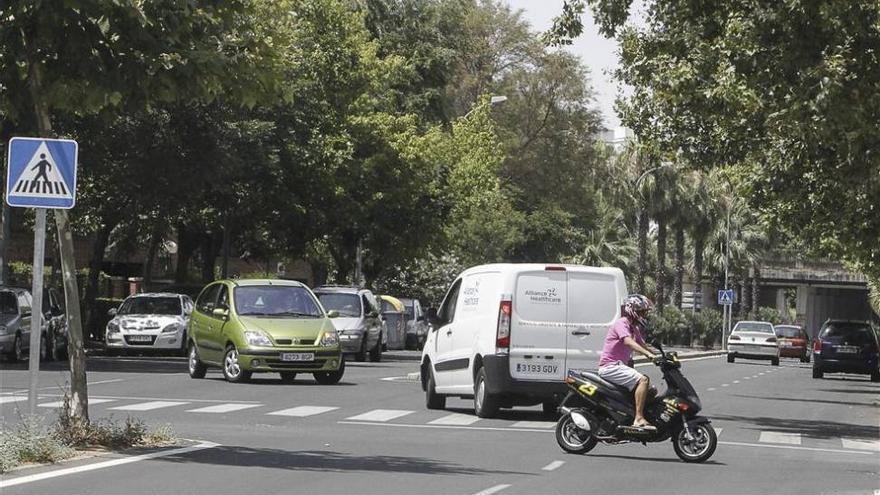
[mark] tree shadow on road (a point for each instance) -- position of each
(325, 461)
(819, 429)
(851, 390)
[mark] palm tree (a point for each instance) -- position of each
(662, 193)
(682, 218)
(608, 243)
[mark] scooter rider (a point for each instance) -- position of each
(625, 336)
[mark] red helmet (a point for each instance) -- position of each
(636, 307)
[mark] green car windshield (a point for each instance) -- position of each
(275, 301)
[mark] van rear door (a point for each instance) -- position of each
(538, 333)
(594, 297)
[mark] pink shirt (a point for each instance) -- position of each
(614, 349)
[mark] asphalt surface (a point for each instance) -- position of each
(780, 432)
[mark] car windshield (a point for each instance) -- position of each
(855, 333)
(7, 303)
(277, 301)
(754, 327)
(151, 306)
(346, 304)
(789, 332)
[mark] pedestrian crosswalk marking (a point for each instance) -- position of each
(455, 419)
(861, 444)
(223, 408)
(534, 424)
(59, 403)
(5, 400)
(380, 415)
(302, 411)
(148, 406)
(779, 437)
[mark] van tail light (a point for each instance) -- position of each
(817, 345)
(502, 337)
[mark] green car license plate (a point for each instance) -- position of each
(297, 356)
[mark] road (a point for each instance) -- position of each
(780, 432)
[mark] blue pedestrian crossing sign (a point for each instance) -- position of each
(725, 297)
(41, 173)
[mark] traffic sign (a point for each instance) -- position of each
(725, 297)
(41, 173)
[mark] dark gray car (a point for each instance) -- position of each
(359, 324)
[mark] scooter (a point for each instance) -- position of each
(599, 411)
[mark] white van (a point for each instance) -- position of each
(507, 334)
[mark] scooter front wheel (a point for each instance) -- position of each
(573, 439)
(700, 447)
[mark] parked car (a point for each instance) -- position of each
(149, 322)
(416, 325)
(846, 346)
(359, 323)
(15, 322)
(793, 342)
(263, 326)
(55, 336)
(506, 334)
(753, 340)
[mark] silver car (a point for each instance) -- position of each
(149, 322)
(753, 340)
(15, 323)
(360, 327)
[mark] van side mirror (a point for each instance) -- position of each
(432, 318)
(332, 314)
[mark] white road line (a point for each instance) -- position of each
(711, 389)
(455, 419)
(494, 489)
(447, 427)
(793, 447)
(718, 431)
(115, 380)
(59, 403)
(12, 398)
(223, 408)
(380, 415)
(725, 385)
(779, 437)
(128, 397)
(736, 381)
(100, 465)
(861, 444)
(302, 411)
(534, 424)
(553, 466)
(148, 406)
(746, 378)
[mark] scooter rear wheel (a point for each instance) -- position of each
(573, 439)
(700, 448)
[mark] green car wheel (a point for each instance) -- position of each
(232, 370)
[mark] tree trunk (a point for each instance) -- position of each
(699, 247)
(642, 260)
(155, 239)
(661, 263)
(755, 290)
(209, 257)
(186, 246)
(679, 267)
(5, 235)
(79, 399)
(101, 239)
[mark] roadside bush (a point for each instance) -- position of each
(670, 325)
(31, 441)
(707, 328)
(769, 314)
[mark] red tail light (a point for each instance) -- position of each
(502, 337)
(817, 345)
(554, 268)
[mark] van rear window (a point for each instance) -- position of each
(593, 297)
(541, 296)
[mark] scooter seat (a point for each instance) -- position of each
(598, 380)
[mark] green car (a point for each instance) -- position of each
(258, 326)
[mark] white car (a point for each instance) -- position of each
(149, 322)
(507, 334)
(753, 340)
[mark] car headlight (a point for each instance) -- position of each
(171, 328)
(112, 327)
(329, 339)
(256, 337)
(3, 329)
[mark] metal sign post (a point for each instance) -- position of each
(41, 174)
(36, 308)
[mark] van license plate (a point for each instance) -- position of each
(536, 369)
(297, 356)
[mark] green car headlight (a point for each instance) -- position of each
(329, 339)
(256, 337)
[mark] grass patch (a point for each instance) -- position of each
(34, 441)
